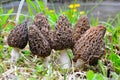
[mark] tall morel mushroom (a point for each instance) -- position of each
(41, 22)
(90, 47)
(17, 39)
(38, 43)
(62, 39)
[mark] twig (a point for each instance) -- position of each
(7, 72)
(19, 10)
(73, 70)
(25, 58)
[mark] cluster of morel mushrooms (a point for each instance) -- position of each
(86, 42)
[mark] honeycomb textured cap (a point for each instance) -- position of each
(18, 37)
(62, 35)
(38, 43)
(41, 22)
(81, 27)
(90, 47)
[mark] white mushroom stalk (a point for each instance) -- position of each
(64, 59)
(14, 55)
(47, 62)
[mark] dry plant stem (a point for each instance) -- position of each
(7, 73)
(14, 55)
(73, 70)
(19, 10)
(4, 75)
(45, 3)
(64, 59)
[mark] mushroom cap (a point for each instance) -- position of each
(81, 27)
(18, 37)
(62, 35)
(38, 43)
(90, 47)
(41, 22)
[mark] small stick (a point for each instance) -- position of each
(19, 10)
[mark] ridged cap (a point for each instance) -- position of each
(18, 37)
(90, 47)
(38, 43)
(62, 35)
(81, 27)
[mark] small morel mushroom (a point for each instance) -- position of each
(81, 27)
(17, 39)
(62, 39)
(90, 47)
(41, 22)
(38, 43)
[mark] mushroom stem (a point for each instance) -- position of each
(46, 61)
(79, 63)
(14, 55)
(64, 59)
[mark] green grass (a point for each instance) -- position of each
(31, 67)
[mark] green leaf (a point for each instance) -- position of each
(94, 76)
(29, 8)
(116, 61)
(102, 68)
(1, 69)
(40, 68)
(4, 19)
(26, 52)
(70, 54)
(90, 75)
(1, 10)
(98, 77)
(31, 78)
(41, 5)
(33, 5)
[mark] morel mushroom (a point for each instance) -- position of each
(62, 39)
(17, 39)
(62, 35)
(90, 47)
(41, 22)
(38, 43)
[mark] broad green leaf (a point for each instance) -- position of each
(90, 75)
(98, 77)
